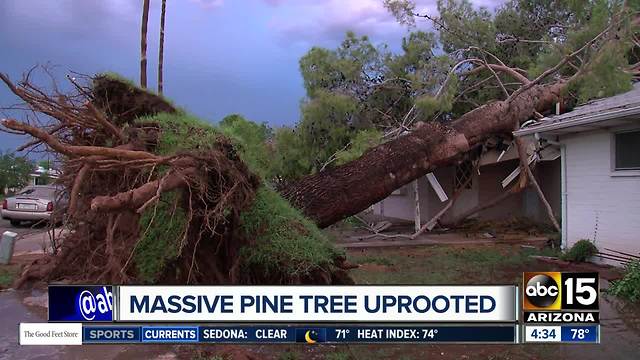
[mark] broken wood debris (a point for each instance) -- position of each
(619, 256)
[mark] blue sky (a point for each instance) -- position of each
(221, 56)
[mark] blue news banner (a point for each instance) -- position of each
(98, 334)
(95, 303)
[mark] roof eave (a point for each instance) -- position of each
(583, 120)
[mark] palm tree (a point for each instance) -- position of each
(143, 44)
(161, 51)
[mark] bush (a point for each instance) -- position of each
(629, 286)
(351, 222)
(580, 251)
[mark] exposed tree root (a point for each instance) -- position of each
(157, 197)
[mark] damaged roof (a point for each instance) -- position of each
(586, 116)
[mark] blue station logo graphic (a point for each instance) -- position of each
(90, 304)
(81, 303)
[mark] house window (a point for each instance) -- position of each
(627, 150)
(462, 178)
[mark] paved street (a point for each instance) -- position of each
(25, 228)
(14, 311)
(30, 238)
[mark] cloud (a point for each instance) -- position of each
(70, 16)
(274, 2)
(326, 21)
(209, 4)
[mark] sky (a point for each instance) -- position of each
(221, 56)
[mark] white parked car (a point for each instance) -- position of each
(35, 203)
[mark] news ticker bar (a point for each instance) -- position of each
(78, 334)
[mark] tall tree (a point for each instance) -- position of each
(355, 94)
(143, 44)
(161, 49)
(14, 171)
(502, 96)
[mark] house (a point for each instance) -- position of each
(599, 144)
(587, 165)
(39, 176)
(43, 176)
(495, 171)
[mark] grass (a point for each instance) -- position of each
(8, 274)
(338, 356)
(289, 355)
(444, 265)
(183, 132)
(285, 240)
(163, 228)
(131, 83)
(372, 259)
(116, 76)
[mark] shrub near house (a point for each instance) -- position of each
(581, 251)
(629, 286)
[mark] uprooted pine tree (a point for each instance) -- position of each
(158, 196)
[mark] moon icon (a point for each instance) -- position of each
(307, 337)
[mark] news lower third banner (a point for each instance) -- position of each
(284, 304)
(557, 307)
(80, 334)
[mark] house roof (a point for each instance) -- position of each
(621, 108)
(39, 171)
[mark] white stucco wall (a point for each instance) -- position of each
(601, 205)
(401, 206)
(491, 187)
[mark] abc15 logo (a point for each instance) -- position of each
(560, 291)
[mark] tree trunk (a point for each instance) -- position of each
(342, 191)
(416, 204)
(143, 44)
(161, 50)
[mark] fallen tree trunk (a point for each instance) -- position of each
(336, 193)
